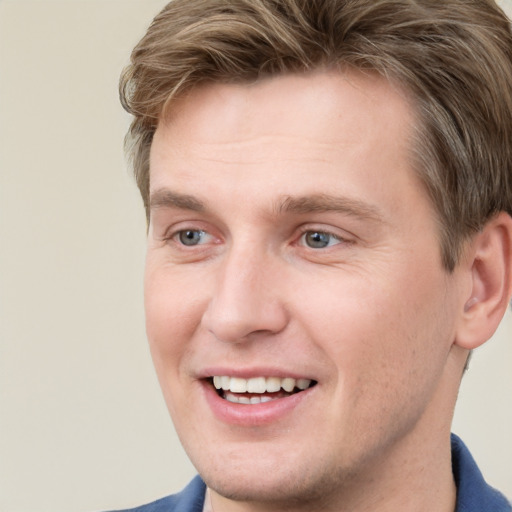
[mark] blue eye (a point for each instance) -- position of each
(191, 237)
(319, 239)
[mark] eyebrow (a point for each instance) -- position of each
(165, 198)
(316, 203)
(320, 203)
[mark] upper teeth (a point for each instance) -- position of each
(259, 384)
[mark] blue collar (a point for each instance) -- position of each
(473, 493)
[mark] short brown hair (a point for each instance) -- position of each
(453, 57)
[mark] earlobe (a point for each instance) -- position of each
(489, 266)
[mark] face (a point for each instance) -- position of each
(293, 262)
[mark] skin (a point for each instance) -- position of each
(372, 317)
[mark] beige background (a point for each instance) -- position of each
(82, 423)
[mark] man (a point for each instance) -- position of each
(328, 191)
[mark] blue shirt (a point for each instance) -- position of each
(473, 493)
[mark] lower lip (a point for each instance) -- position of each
(254, 414)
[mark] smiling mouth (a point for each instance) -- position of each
(258, 390)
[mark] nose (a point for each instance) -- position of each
(246, 299)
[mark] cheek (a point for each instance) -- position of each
(386, 350)
(173, 314)
(389, 333)
(173, 308)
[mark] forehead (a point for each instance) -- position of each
(288, 104)
(296, 131)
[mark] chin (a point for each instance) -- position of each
(281, 480)
(256, 488)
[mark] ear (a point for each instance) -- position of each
(488, 264)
